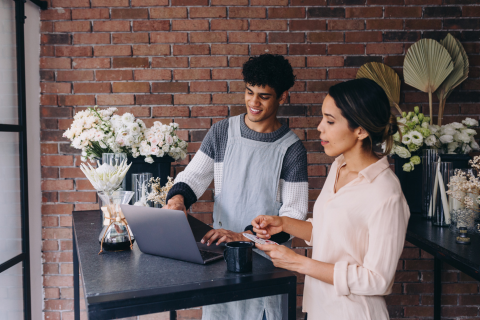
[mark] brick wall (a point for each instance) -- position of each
(181, 59)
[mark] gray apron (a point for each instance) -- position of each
(251, 175)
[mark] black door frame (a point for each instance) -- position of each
(21, 128)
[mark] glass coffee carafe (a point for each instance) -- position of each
(116, 234)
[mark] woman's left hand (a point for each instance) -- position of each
(283, 257)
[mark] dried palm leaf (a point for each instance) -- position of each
(385, 77)
(457, 76)
(427, 64)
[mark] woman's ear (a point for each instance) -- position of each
(361, 133)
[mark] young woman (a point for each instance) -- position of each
(360, 217)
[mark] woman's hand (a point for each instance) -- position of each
(283, 257)
(266, 226)
(176, 202)
(222, 235)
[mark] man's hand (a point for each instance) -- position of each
(266, 226)
(222, 235)
(283, 257)
(176, 202)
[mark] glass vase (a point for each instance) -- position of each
(141, 188)
(115, 159)
(116, 234)
(429, 156)
(441, 173)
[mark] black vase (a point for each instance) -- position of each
(160, 168)
(411, 183)
(459, 161)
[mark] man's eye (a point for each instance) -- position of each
(264, 97)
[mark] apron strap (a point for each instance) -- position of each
(234, 127)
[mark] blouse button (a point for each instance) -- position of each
(220, 223)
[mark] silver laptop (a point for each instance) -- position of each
(170, 234)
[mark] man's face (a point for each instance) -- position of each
(261, 102)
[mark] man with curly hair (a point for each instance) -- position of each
(259, 166)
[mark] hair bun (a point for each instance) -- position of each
(392, 129)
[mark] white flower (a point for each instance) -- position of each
(448, 130)
(415, 119)
(452, 146)
(461, 137)
(470, 122)
(474, 145)
(457, 125)
(128, 118)
(407, 167)
(149, 159)
(469, 131)
(406, 139)
(466, 149)
(402, 152)
(402, 120)
(425, 125)
(447, 138)
(431, 140)
(433, 128)
(417, 137)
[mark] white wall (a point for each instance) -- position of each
(32, 72)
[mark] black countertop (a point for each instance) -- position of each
(129, 275)
(440, 242)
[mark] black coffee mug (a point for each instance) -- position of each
(238, 255)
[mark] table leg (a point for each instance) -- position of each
(289, 302)
(173, 315)
(437, 288)
(76, 281)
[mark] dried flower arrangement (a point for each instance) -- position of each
(159, 193)
(464, 186)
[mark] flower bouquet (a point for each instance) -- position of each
(96, 131)
(415, 133)
(457, 138)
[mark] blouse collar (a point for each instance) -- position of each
(370, 172)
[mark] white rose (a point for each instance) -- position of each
(431, 140)
(470, 122)
(149, 159)
(417, 137)
(402, 152)
(447, 138)
(160, 153)
(457, 125)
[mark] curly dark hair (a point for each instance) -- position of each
(269, 69)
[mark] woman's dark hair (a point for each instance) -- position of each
(269, 69)
(364, 104)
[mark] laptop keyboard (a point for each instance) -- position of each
(207, 255)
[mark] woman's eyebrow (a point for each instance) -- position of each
(329, 115)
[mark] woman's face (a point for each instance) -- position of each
(336, 136)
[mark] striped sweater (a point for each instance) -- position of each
(207, 164)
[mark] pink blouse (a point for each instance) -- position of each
(361, 229)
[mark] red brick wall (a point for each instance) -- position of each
(181, 59)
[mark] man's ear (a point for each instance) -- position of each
(283, 97)
(361, 133)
